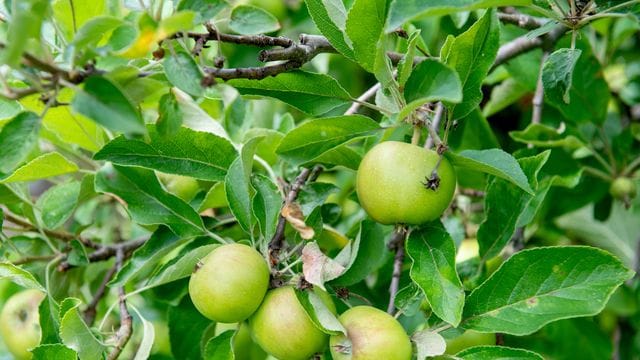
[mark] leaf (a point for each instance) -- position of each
(92, 32)
(146, 200)
(186, 329)
(204, 9)
(317, 267)
(428, 343)
(546, 136)
(294, 216)
(431, 81)
(169, 115)
(364, 26)
(251, 20)
(405, 66)
(72, 15)
(557, 74)
(78, 254)
(190, 153)
(472, 54)
(149, 255)
(312, 93)
(148, 337)
(330, 17)
(503, 95)
(236, 186)
(406, 10)
(194, 117)
(182, 267)
(49, 319)
(103, 102)
(363, 255)
(183, 72)
(18, 138)
(319, 313)
(317, 137)
(265, 205)
(504, 208)
(57, 203)
(26, 23)
(220, 347)
(433, 268)
(340, 156)
(494, 162)
(496, 352)
(537, 286)
(76, 334)
(44, 166)
(53, 351)
(19, 276)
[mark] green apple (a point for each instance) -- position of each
(283, 329)
(372, 334)
(229, 284)
(244, 347)
(623, 188)
(183, 187)
(469, 339)
(20, 323)
(391, 184)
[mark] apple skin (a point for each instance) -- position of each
(390, 184)
(469, 339)
(244, 347)
(20, 323)
(373, 335)
(183, 187)
(230, 283)
(623, 188)
(283, 329)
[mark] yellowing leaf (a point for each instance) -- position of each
(293, 214)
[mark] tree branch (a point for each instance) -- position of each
(512, 16)
(105, 252)
(126, 321)
(524, 44)
(90, 311)
(538, 98)
(396, 244)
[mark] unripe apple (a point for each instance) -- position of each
(229, 284)
(623, 188)
(20, 323)
(371, 334)
(393, 184)
(244, 348)
(469, 339)
(283, 329)
(183, 187)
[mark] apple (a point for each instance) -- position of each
(623, 188)
(283, 329)
(469, 339)
(20, 322)
(391, 184)
(371, 334)
(183, 187)
(229, 284)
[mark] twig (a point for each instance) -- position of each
(538, 98)
(371, 92)
(433, 128)
(61, 235)
(253, 73)
(521, 20)
(105, 252)
(524, 44)
(126, 324)
(396, 244)
(90, 311)
(34, 258)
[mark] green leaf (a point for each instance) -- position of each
(505, 206)
(472, 54)
(186, 329)
(91, 33)
(342, 155)
(178, 21)
(494, 162)
(319, 313)
(19, 276)
(497, 352)
(251, 20)
(405, 10)
(330, 17)
(18, 138)
(148, 337)
(365, 25)
(503, 95)
(169, 115)
(190, 153)
(182, 267)
(44, 166)
(194, 117)
(72, 16)
(148, 256)
(266, 205)
(557, 74)
(433, 253)
(220, 347)
(363, 255)
(428, 343)
(546, 136)
(76, 334)
(26, 23)
(78, 254)
(315, 94)
(204, 9)
(105, 103)
(236, 187)
(147, 202)
(57, 203)
(431, 81)
(537, 286)
(49, 318)
(183, 72)
(405, 66)
(53, 351)
(316, 137)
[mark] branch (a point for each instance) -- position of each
(105, 252)
(126, 321)
(396, 244)
(538, 98)
(511, 16)
(90, 311)
(524, 44)
(371, 92)
(433, 127)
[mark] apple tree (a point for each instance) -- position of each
(319, 179)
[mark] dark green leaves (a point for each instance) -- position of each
(186, 329)
(557, 75)
(330, 16)
(187, 152)
(362, 255)
(365, 25)
(105, 103)
(183, 72)
(18, 138)
(220, 347)
(146, 201)
(471, 54)
(538, 286)
(434, 269)
(266, 205)
(317, 137)
(251, 20)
